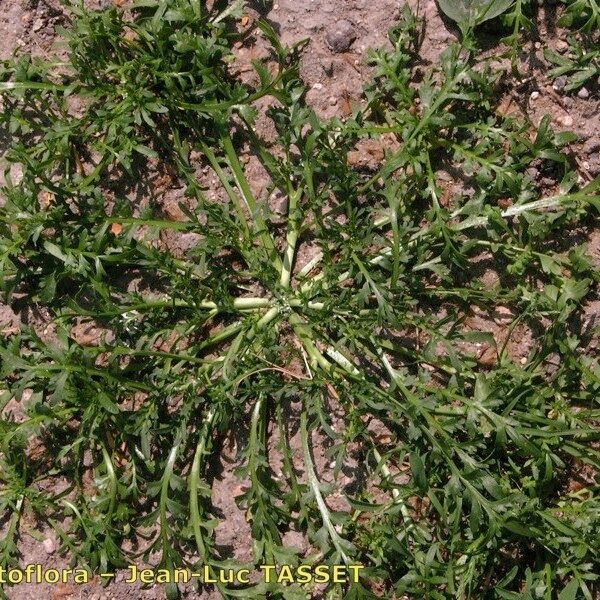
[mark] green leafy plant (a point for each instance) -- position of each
(579, 65)
(582, 13)
(470, 13)
(346, 332)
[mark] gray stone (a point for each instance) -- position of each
(278, 202)
(532, 173)
(559, 83)
(583, 93)
(340, 36)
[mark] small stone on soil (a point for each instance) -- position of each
(583, 93)
(48, 545)
(532, 173)
(566, 121)
(279, 202)
(340, 36)
(559, 83)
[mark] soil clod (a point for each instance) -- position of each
(341, 36)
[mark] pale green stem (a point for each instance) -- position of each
(230, 192)
(387, 476)
(194, 478)
(292, 238)
(246, 193)
(315, 487)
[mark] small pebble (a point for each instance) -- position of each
(532, 173)
(534, 95)
(37, 25)
(317, 86)
(562, 46)
(340, 36)
(567, 121)
(537, 45)
(583, 93)
(524, 361)
(559, 83)
(333, 101)
(279, 202)
(48, 545)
